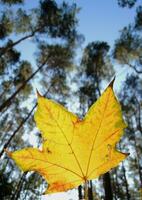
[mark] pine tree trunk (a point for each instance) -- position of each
(107, 186)
(90, 191)
(8, 101)
(118, 189)
(114, 189)
(80, 195)
(138, 160)
(126, 183)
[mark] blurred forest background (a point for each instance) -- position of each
(52, 28)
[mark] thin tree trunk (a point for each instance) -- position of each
(135, 142)
(114, 189)
(118, 189)
(97, 81)
(126, 183)
(16, 193)
(138, 116)
(27, 187)
(138, 161)
(125, 180)
(8, 101)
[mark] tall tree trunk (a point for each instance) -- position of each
(138, 156)
(80, 195)
(126, 183)
(114, 188)
(107, 186)
(125, 180)
(90, 191)
(118, 189)
(138, 161)
(8, 101)
(138, 115)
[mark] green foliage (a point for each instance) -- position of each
(57, 20)
(127, 3)
(11, 2)
(58, 56)
(138, 18)
(6, 25)
(22, 21)
(128, 49)
(12, 56)
(23, 72)
(96, 60)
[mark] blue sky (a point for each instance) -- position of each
(98, 20)
(102, 20)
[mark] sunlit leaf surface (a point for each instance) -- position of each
(74, 150)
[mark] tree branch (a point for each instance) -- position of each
(3, 50)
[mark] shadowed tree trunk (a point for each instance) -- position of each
(80, 195)
(114, 189)
(16, 193)
(126, 183)
(107, 186)
(118, 189)
(90, 191)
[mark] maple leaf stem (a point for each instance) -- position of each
(86, 190)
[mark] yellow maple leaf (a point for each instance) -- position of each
(74, 150)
